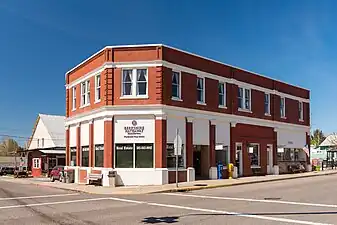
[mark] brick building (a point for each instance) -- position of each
(124, 105)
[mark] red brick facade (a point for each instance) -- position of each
(160, 61)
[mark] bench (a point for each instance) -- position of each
(95, 178)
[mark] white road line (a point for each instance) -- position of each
(253, 200)
(53, 203)
(38, 196)
(292, 221)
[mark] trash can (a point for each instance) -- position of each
(70, 176)
(112, 178)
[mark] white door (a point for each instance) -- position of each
(238, 158)
(269, 159)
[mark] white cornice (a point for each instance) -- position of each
(155, 63)
(190, 114)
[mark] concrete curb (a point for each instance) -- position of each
(195, 188)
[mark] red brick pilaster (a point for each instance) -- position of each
(78, 145)
(67, 146)
(232, 143)
(108, 142)
(212, 130)
(91, 144)
(160, 142)
(189, 142)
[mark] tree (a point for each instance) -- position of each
(317, 137)
(8, 147)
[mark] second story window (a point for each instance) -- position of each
(200, 90)
(134, 82)
(176, 85)
(222, 94)
(244, 98)
(283, 107)
(98, 88)
(300, 110)
(74, 98)
(85, 93)
(266, 104)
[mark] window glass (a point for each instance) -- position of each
(141, 82)
(73, 156)
(124, 155)
(99, 155)
(144, 155)
(175, 85)
(127, 82)
(254, 154)
(266, 103)
(240, 98)
(85, 156)
(171, 158)
(221, 91)
(200, 89)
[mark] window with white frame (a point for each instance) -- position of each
(283, 107)
(222, 94)
(85, 93)
(36, 163)
(200, 89)
(176, 85)
(254, 155)
(74, 98)
(98, 88)
(244, 98)
(134, 82)
(266, 103)
(300, 110)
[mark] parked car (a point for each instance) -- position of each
(6, 171)
(56, 173)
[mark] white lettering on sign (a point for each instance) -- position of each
(134, 131)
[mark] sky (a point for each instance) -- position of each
(293, 41)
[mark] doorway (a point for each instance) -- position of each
(201, 162)
(238, 158)
(269, 159)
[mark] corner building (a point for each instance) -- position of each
(124, 106)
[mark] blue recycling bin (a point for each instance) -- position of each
(219, 170)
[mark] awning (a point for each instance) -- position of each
(50, 151)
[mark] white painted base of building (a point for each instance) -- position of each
(309, 168)
(235, 172)
(276, 170)
(126, 177)
(190, 174)
(213, 173)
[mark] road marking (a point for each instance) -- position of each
(38, 196)
(54, 203)
(292, 221)
(253, 200)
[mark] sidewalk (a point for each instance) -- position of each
(186, 186)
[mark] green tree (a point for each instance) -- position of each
(8, 146)
(317, 137)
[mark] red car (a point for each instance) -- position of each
(56, 173)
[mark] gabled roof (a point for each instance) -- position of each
(54, 125)
(330, 140)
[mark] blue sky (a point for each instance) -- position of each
(294, 41)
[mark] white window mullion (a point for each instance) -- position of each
(134, 82)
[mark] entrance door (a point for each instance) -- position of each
(270, 159)
(238, 158)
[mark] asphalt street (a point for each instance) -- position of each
(302, 201)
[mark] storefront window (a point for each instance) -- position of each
(291, 154)
(134, 155)
(171, 158)
(99, 155)
(144, 155)
(221, 156)
(254, 154)
(73, 156)
(124, 155)
(85, 156)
